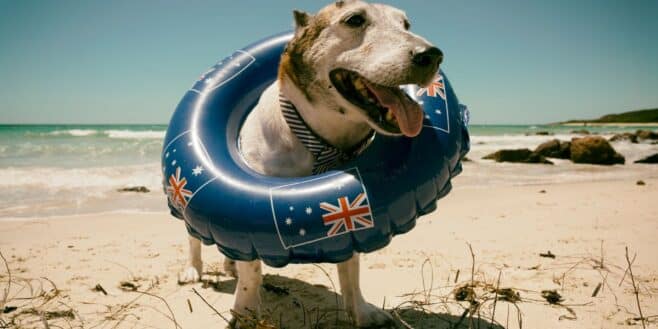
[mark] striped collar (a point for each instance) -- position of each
(326, 155)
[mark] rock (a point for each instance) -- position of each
(518, 155)
(509, 155)
(631, 137)
(646, 134)
(537, 158)
(594, 150)
(554, 149)
(649, 159)
(580, 132)
(138, 189)
(465, 159)
(640, 183)
(540, 133)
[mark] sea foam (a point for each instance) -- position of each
(133, 134)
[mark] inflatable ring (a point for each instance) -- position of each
(358, 207)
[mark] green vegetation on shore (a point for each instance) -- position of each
(640, 116)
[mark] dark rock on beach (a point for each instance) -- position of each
(636, 137)
(630, 137)
(646, 134)
(518, 156)
(137, 189)
(555, 149)
(540, 133)
(652, 159)
(594, 150)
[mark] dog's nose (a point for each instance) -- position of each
(428, 57)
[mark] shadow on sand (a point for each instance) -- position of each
(290, 304)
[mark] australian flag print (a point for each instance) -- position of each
(342, 209)
(183, 176)
(433, 99)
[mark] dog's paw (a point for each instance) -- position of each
(190, 274)
(229, 268)
(370, 316)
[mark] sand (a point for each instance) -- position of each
(586, 226)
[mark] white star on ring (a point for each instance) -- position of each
(288, 221)
(302, 232)
(309, 210)
(197, 171)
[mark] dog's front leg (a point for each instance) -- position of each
(247, 291)
(363, 313)
(194, 267)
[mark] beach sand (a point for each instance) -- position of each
(586, 226)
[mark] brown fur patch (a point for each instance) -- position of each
(293, 63)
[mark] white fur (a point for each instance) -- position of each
(269, 147)
(194, 267)
(381, 55)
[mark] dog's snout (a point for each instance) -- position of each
(428, 57)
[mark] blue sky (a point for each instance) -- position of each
(511, 61)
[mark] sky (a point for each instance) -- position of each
(510, 61)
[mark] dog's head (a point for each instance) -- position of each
(353, 57)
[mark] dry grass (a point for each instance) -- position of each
(477, 300)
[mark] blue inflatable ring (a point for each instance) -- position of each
(323, 218)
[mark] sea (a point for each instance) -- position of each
(49, 171)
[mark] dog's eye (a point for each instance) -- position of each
(407, 25)
(355, 21)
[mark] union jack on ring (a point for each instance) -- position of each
(437, 87)
(347, 216)
(176, 190)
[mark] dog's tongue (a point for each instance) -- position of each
(408, 113)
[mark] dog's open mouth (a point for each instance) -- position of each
(389, 108)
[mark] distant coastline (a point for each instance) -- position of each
(608, 124)
(639, 118)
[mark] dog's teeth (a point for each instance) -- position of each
(359, 84)
(389, 116)
(364, 92)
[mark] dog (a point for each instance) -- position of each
(341, 74)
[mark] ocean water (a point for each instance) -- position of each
(55, 170)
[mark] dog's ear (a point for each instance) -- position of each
(301, 19)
